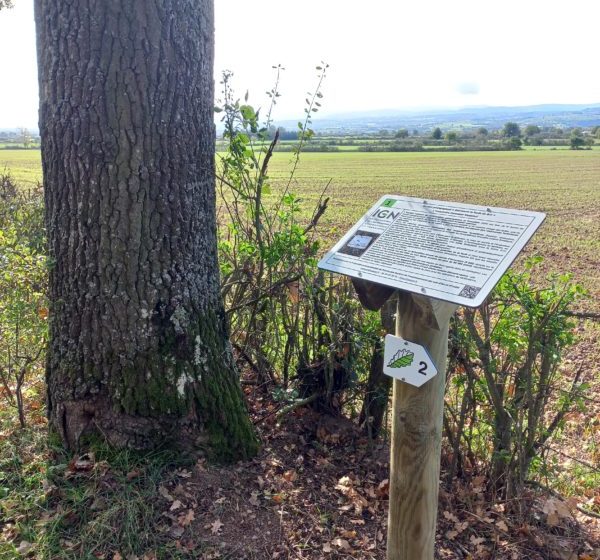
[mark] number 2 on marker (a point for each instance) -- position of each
(423, 368)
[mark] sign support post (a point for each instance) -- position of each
(417, 414)
(434, 256)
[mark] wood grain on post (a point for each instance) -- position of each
(417, 433)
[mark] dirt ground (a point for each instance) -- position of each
(319, 490)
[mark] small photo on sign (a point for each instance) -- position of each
(359, 243)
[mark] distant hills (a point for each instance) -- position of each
(564, 116)
(423, 120)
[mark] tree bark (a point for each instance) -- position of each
(138, 347)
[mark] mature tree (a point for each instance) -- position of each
(25, 137)
(511, 129)
(577, 140)
(451, 136)
(482, 131)
(437, 133)
(532, 130)
(402, 133)
(513, 143)
(138, 349)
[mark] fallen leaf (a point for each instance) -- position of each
(450, 516)
(133, 474)
(215, 527)
(383, 489)
(341, 543)
(552, 519)
(175, 505)
(326, 547)
(165, 493)
(349, 534)
(290, 475)
(502, 526)
(277, 498)
(185, 519)
(24, 547)
(254, 499)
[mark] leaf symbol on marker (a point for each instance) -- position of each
(402, 358)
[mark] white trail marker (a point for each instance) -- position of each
(407, 361)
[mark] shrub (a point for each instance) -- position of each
(23, 305)
(504, 377)
(298, 329)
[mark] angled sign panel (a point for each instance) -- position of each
(444, 250)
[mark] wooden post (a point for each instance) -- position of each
(417, 433)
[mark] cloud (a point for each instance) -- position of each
(468, 88)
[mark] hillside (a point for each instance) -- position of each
(564, 116)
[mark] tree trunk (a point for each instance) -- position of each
(138, 347)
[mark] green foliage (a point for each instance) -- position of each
(511, 130)
(505, 365)
(23, 304)
(512, 143)
(437, 133)
(283, 313)
(577, 141)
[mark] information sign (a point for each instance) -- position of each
(444, 250)
(407, 361)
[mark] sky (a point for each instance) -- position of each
(382, 54)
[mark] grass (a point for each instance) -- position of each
(563, 183)
(80, 514)
(25, 166)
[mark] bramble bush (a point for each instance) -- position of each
(23, 305)
(298, 329)
(507, 395)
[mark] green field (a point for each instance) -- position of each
(24, 165)
(563, 183)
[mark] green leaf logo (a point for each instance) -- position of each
(402, 358)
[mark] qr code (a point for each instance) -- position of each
(469, 291)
